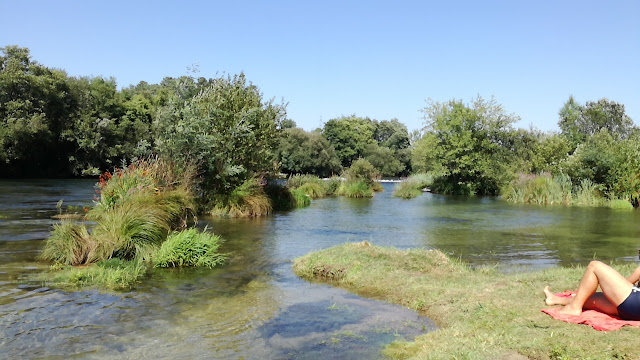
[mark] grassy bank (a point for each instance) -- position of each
(483, 313)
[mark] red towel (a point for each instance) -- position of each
(597, 320)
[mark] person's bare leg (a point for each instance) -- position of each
(615, 287)
(600, 302)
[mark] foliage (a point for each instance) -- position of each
(332, 184)
(301, 199)
(284, 198)
(246, 200)
(383, 159)
(227, 129)
(301, 152)
(189, 248)
(349, 136)
(579, 122)
(469, 144)
(541, 189)
(361, 170)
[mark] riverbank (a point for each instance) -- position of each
(483, 313)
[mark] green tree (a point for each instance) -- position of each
(300, 152)
(349, 136)
(468, 143)
(227, 129)
(577, 122)
(34, 108)
(383, 159)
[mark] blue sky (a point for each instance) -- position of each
(380, 59)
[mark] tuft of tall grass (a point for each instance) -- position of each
(413, 185)
(300, 198)
(69, 243)
(313, 190)
(297, 180)
(588, 194)
(355, 189)
(540, 189)
(620, 204)
(247, 200)
(332, 184)
(189, 248)
(406, 190)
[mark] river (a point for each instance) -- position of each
(254, 307)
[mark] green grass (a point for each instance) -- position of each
(247, 200)
(355, 189)
(620, 204)
(189, 248)
(406, 190)
(313, 190)
(301, 199)
(332, 184)
(111, 274)
(483, 313)
(296, 181)
(69, 243)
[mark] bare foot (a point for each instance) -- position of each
(569, 310)
(552, 299)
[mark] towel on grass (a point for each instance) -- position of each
(595, 319)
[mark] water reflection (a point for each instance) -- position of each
(254, 306)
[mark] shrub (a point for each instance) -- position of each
(247, 200)
(189, 248)
(362, 170)
(355, 189)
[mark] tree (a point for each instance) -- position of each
(383, 159)
(34, 108)
(468, 144)
(300, 152)
(349, 136)
(578, 122)
(226, 129)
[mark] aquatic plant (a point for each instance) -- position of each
(355, 189)
(69, 243)
(297, 180)
(301, 199)
(406, 190)
(332, 184)
(110, 273)
(588, 194)
(313, 190)
(189, 248)
(247, 200)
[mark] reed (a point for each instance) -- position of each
(114, 274)
(313, 190)
(355, 189)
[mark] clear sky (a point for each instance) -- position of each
(380, 59)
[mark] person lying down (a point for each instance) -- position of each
(620, 296)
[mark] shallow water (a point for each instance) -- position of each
(254, 307)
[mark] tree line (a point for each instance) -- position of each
(56, 125)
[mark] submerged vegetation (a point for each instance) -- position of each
(483, 312)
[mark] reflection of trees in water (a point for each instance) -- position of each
(529, 234)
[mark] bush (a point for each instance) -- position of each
(301, 199)
(189, 248)
(247, 200)
(362, 170)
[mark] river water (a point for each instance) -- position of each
(254, 307)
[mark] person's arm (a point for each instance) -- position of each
(635, 276)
